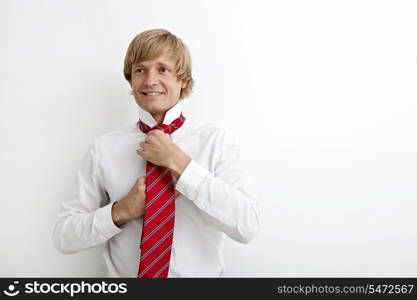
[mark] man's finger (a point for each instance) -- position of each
(142, 180)
(140, 185)
(155, 132)
(140, 152)
(150, 139)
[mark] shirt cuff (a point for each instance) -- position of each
(105, 222)
(190, 180)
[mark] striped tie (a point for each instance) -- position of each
(159, 216)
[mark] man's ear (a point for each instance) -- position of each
(183, 84)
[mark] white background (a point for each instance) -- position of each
(321, 96)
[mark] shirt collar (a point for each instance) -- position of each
(173, 113)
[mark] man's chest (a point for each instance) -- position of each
(120, 165)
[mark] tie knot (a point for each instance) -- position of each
(177, 123)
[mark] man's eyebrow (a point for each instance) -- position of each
(160, 63)
(165, 64)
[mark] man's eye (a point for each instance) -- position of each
(139, 70)
(163, 70)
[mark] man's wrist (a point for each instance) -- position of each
(178, 164)
(119, 214)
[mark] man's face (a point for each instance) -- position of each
(155, 85)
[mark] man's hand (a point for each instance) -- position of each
(132, 206)
(161, 151)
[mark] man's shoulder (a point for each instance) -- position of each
(205, 128)
(117, 135)
(210, 131)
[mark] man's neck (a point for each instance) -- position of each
(159, 118)
(152, 119)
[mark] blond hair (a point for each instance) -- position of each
(152, 43)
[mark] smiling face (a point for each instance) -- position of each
(155, 85)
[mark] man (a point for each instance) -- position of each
(161, 193)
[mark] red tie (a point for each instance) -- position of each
(159, 217)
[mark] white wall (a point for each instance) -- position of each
(320, 94)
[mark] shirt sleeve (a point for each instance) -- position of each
(223, 194)
(85, 218)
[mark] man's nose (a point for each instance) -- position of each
(151, 78)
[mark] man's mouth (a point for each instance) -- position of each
(152, 93)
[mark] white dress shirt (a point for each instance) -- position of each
(214, 200)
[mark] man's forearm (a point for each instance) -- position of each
(76, 230)
(229, 205)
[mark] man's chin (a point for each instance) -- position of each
(151, 105)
